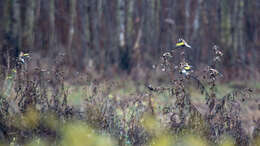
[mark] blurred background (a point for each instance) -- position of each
(129, 36)
(92, 61)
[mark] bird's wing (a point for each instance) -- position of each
(180, 44)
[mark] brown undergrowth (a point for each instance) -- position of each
(35, 109)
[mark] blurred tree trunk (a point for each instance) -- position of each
(94, 32)
(121, 20)
(241, 30)
(251, 30)
(195, 36)
(130, 24)
(234, 29)
(188, 18)
(148, 24)
(72, 16)
(137, 34)
(28, 27)
(5, 7)
(4, 27)
(51, 38)
(124, 58)
(83, 19)
(11, 35)
(151, 18)
(157, 6)
(1, 34)
(37, 27)
(227, 28)
(167, 22)
(16, 23)
(109, 36)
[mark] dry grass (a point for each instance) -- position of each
(40, 107)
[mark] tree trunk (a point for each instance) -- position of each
(28, 28)
(52, 38)
(72, 16)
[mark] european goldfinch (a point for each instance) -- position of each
(186, 69)
(23, 56)
(182, 43)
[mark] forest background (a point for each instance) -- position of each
(129, 36)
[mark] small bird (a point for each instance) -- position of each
(182, 43)
(23, 56)
(186, 69)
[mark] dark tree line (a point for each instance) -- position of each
(124, 34)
